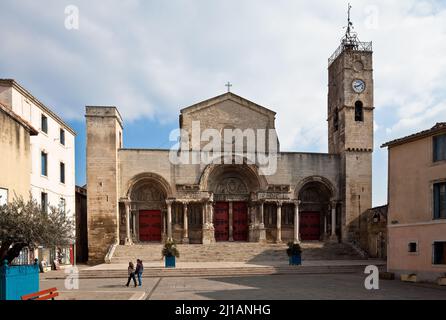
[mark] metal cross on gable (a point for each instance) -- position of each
(229, 85)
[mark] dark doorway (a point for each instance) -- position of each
(240, 218)
(221, 221)
(310, 225)
(150, 225)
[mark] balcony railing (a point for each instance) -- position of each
(352, 45)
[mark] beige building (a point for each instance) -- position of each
(15, 179)
(142, 196)
(417, 204)
(52, 172)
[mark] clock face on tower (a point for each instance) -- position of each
(358, 86)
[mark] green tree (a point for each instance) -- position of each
(25, 224)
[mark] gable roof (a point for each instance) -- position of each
(223, 97)
(28, 127)
(439, 127)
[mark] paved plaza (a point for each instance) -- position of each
(271, 287)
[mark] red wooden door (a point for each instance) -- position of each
(221, 221)
(150, 225)
(310, 225)
(240, 221)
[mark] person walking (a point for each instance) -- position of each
(131, 272)
(139, 271)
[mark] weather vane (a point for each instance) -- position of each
(349, 23)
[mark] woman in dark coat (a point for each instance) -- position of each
(131, 272)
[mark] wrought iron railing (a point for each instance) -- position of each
(22, 258)
(353, 45)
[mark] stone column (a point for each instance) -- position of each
(203, 215)
(262, 231)
(325, 226)
(128, 238)
(164, 217)
(296, 222)
(135, 234)
(210, 210)
(211, 214)
(185, 224)
(169, 219)
(208, 236)
(333, 236)
(279, 223)
(252, 237)
(231, 222)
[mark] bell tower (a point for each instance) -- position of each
(350, 128)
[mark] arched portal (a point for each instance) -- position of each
(232, 186)
(314, 209)
(147, 194)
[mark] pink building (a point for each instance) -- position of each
(417, 204)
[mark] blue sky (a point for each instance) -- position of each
(152, 58)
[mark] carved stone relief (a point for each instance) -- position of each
(231, 186)
(147, 193)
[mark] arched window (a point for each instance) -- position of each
(359, 112)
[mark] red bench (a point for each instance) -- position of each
(42, 295)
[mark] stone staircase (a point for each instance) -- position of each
(231, 259)
(235, 252)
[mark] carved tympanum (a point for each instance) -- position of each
(231, 186)
(148, 193)
(311, 195)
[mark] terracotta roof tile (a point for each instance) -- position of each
(440, 126)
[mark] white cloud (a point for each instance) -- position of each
(152, 58)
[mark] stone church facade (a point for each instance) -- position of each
(140, 196)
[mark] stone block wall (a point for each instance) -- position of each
(104, 137)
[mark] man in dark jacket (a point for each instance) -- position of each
(139, 270)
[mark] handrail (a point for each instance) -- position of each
(110, 253)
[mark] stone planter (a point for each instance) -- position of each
(169, 262)
(409, 277)
(17, 281)
(442, 281)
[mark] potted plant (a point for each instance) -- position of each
(170, 252)
(294, 252)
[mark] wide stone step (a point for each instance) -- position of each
(227, 271)
(233, 252)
